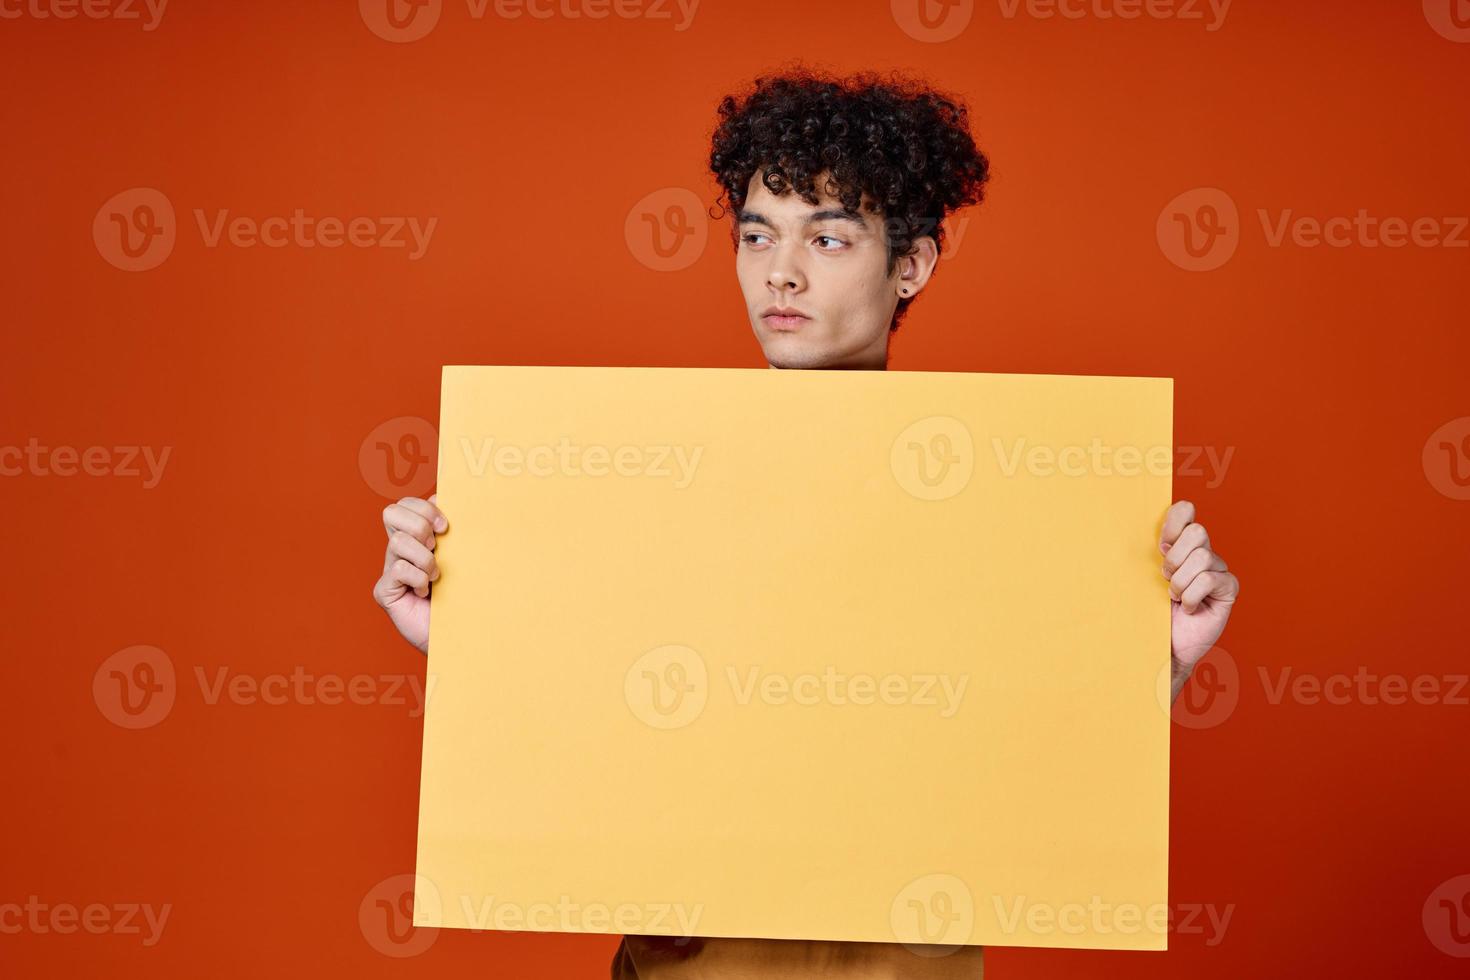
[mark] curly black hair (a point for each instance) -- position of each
(892, 139)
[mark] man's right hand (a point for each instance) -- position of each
(409, 567)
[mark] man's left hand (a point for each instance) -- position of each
(1201, 587)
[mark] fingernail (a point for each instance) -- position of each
(440, 524)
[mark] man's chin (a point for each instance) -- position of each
(793, 351)
(791, 357)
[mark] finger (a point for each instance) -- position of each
(441, 523)
(1198, 560)
(386, 591)
(1215, 586)
(428, 509)
(404, 571)
(401, 544)
(1192, 537)
(1176, 519)
(398, 517)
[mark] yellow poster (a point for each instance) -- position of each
(847, 655)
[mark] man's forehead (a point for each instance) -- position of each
(761, 204)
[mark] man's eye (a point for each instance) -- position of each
(837, 242)
(750, 235)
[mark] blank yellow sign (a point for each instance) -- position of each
(847, 655)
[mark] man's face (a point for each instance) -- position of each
(828, 264)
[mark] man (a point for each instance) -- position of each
(837, 188)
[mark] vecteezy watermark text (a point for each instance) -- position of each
(305, 231)
(1099, 918)
(1099, 458)
(149, 12)
(34, 459)
(405, 21)
(136, 230)
(566, 915)
(136, 688)
(936, 21)
(1364, 687)
(304, 688)
(95, 918)
(834, 687)
(566, 458)
(668, 687)
(1211, 12)
(1201, 229)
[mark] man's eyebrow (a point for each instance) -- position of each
(836, 214)
(745, 217)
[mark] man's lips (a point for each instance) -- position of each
(784, 318)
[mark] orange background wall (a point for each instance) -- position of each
(1329, 832)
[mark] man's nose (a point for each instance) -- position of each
(785, 272)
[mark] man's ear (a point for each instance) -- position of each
(915, 268)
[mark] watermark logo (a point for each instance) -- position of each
(1216, 686)
(667, 687)
(1199, 230)
(399, 458)
(135, 229)
(387, 915)
(1449, 18)
(1446, 459)
(1446, 917)
(1211, 694)
(932, 914)
(933, 458)
(400, 21)
(932, 21)
(135, 687)
(667, 230)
